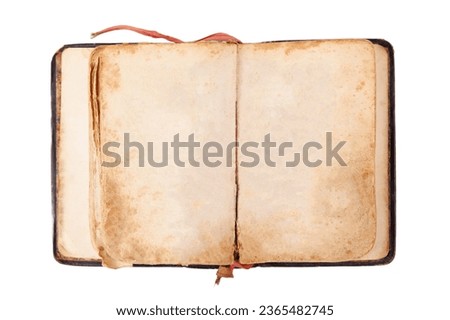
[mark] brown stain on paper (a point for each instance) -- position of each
(109, 75)
(289, 46)
(345, 202)
(118, 225)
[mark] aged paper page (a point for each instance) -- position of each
(172, 214)
(382, 241)
(318, 94)
(73, 240)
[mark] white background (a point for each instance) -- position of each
(33, 285)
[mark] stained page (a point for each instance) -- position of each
(312, 199)
(173, 214)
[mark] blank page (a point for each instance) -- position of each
(298, 92)
(171, 214)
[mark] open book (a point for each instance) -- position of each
(202, 154)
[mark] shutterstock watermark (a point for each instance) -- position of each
(185, 152)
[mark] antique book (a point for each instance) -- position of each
(219, 153)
